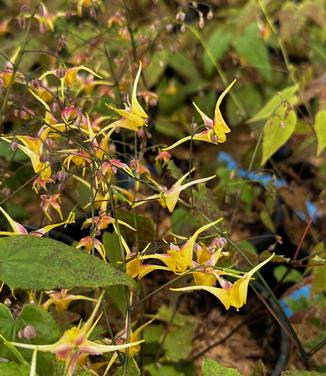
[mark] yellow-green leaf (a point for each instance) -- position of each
(320, 129)
(286, 95)
(277, 130)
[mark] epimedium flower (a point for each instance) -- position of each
(62, 299)
(216, 128)
(206, 260)
(74, 346)
(34, 149)
(180, 259)
(102, 221)
(19, 229)
(51, 201)
(134, 336)
(136, 268)
(230, 295)
(169, 197)
(133, 117)
(89, 243)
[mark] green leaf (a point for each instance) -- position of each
(182, 221)
(212, 368)
(132, 369)
(164, 370)
(178, 343)
(253, 50)
(267, 221)
(8, 154)
(8, 329)
(183, 65)
(286, 95)
(250, 98)
(320, 129)
(46, 328)
(13, 369)
(217, 45)
(156, 67)
(7, 323)
(293, 276)
(277, 130)
(33, 263)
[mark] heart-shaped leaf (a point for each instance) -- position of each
(33, 263)
(277, 130)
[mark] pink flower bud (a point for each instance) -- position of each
(14, 145)
(28, 332)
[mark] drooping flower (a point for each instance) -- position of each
(51, 201)
(206, 259)
(136, 268)
(19, 229)
(62, 299)
(133, 116)
(89, 243)
(102, 221)
(170, 197)
(33, 148)
(230, 295)
(74, 346)
(180, 259)
(215, 128)
(45, 19)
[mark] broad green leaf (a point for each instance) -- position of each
(156, 67)
(252, 49)
(33, 263)
(8, 329)
(178, 343)
(267, 221)
(132, 369)
(8, 154)
(7, 323)
(217, 45)
(248, 246)
(47, 330)
(320, 129)
(164, 370)
(182, 221)
(286, 95)
(212, 368)
(13, 369)
(112, 245)
(293, 276)
(277, 130)
(250, 98)
(183, 65)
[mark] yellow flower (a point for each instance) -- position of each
(179, 260)
(19, 229)
(33, 148)
(61, 299)
(215, 128)
(233, 295)
(137, 269)
(74, 346)
(132, 117)
(170, 197)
